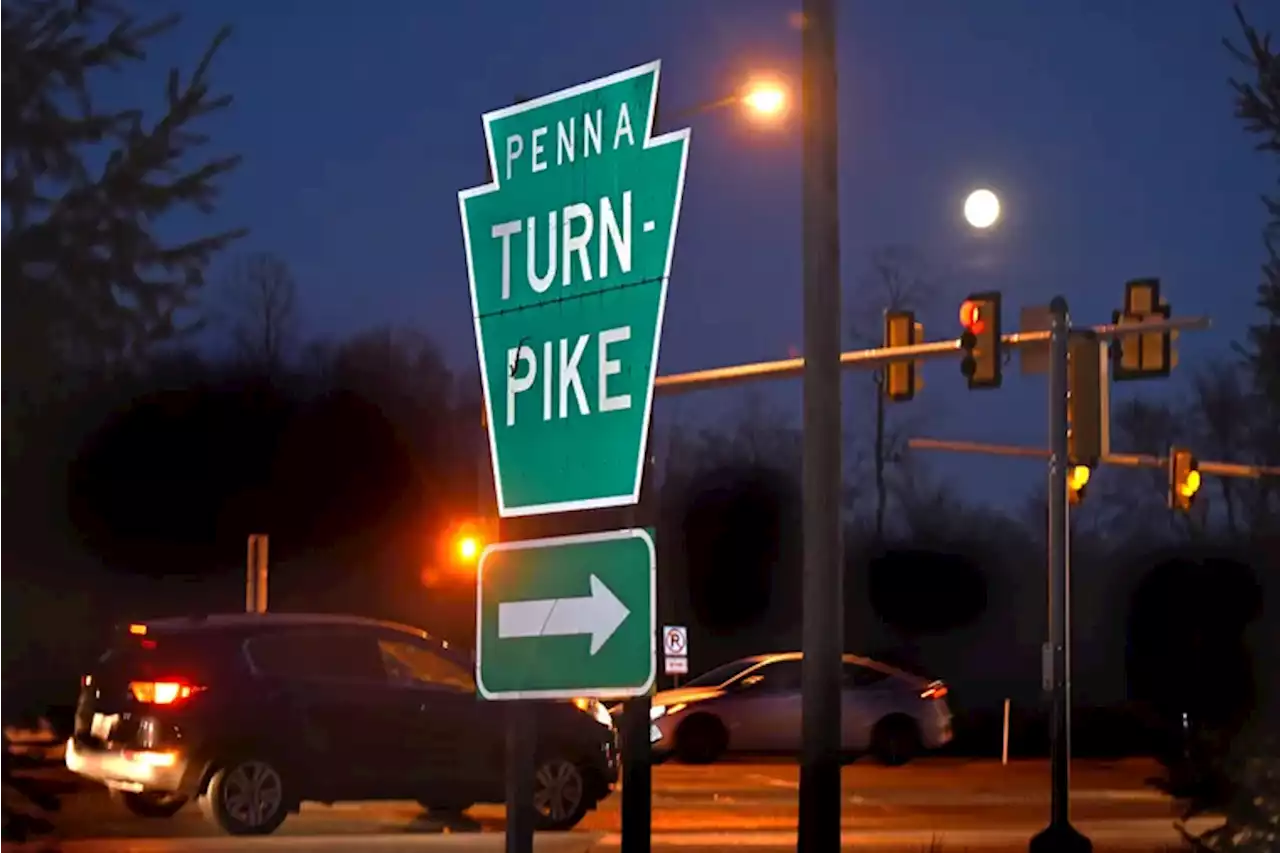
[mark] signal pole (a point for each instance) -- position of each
(823, 608)
(1059, 836)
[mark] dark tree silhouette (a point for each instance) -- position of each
(731, 527)
(922, 593)
(260, 303)
(154, 489)
(1185, 648)
(87, 269)
(1257, 105)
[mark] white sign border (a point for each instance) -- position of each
(682, 135)
(554, 542)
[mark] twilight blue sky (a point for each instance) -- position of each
(1105, 125)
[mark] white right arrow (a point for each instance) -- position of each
(599, 614)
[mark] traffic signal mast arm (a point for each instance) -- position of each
(697, 380)
(1119, 460)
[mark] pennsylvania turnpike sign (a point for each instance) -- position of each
(567, 616)
(568, 253)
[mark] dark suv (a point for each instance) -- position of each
(252, 714)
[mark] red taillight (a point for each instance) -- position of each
(162, 692)
(936, 690)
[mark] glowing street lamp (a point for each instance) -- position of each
(765, 99)
(468, 549)
(762, 98)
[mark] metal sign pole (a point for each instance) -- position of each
(520, 738)
(637, 758)
(823, 596)
(1059, 835)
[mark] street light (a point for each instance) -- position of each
(765, 99)
(468, 548)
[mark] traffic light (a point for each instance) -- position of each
(1184, 479)
(1142, 355)
(980, 316)
(1077, 479)
(1088, 402)
(902, 379)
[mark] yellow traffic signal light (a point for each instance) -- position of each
(1088, 402)
(902, 379)
(1077, 479)
(980, 317)
(1184, 479)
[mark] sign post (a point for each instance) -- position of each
(569, 249)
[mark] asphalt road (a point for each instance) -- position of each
(951, 804)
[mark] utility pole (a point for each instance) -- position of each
(1059, 836)
(822, 640)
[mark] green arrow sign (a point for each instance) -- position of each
(568, 252)
(567, 616)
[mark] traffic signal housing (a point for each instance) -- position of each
(1145, 355)
(982, 364)
(902, 379)
(1077, 479)
(1088, 401)
(1184, 479)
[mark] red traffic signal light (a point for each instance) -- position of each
(971, 316)
(980, 317)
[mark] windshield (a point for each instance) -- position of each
(721, 674)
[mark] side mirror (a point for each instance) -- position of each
(750, 681)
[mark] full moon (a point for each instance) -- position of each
(982, 208)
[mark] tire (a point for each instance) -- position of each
(701, 739)
(246, 797)
(895, 741)
(560, 797)
(149, 804)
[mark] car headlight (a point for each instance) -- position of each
(597, 711)
(658, 711)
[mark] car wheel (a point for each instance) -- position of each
(559, 794)
(149, 804)
(246, 798)
(896, 741)
(701, 739)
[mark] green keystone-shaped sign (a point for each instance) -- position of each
(566, 616)
(568, 252)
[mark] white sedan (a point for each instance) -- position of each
(753, 705)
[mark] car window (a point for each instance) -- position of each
(317, 655)
(407, 662)
(196, 655)
(781, 675)
(721, 674)
(857, 675)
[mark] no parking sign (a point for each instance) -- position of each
(675, 649)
